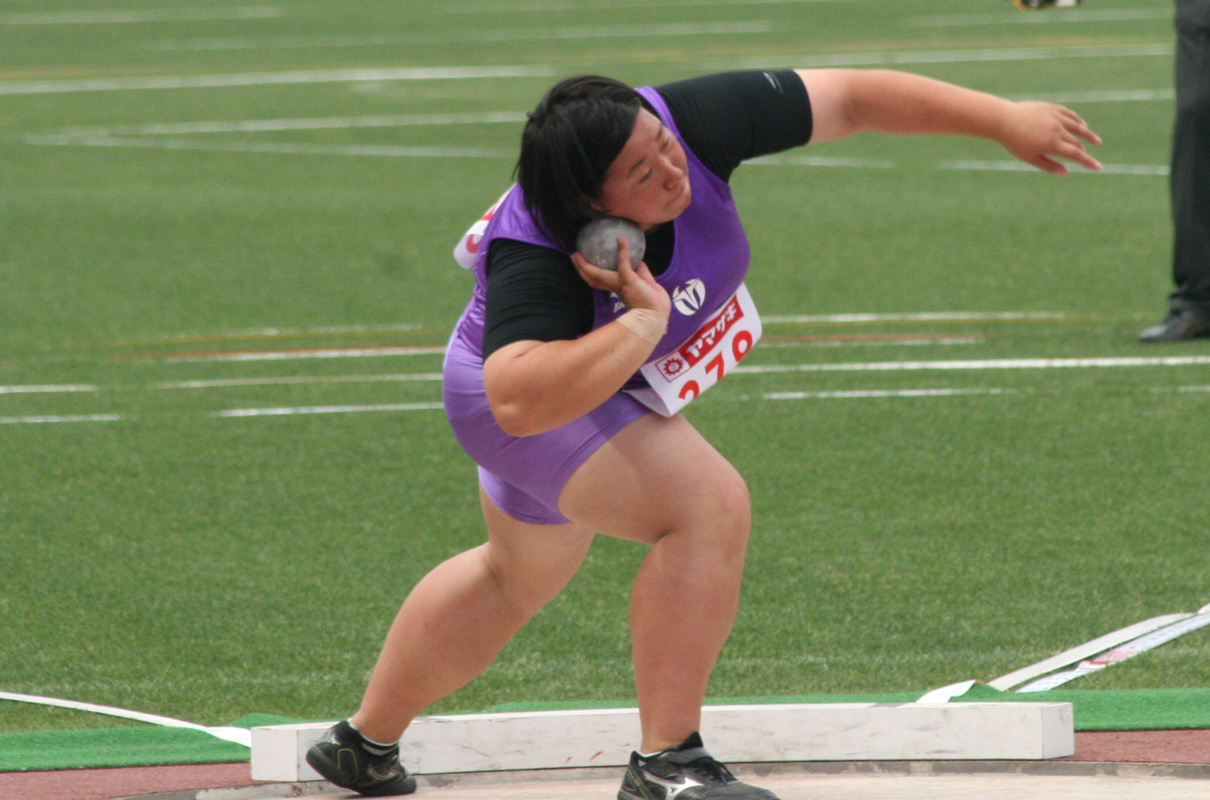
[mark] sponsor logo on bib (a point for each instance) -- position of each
(702, 360)
(699, 344)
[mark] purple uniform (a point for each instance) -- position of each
(524, 476)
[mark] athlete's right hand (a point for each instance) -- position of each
(636, 287)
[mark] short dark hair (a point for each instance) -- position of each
(571, 138)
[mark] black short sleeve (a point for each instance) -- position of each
(533, 293)
(730, 117)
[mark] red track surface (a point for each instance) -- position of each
(1149, 747)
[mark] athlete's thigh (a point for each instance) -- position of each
(542, 557)
(655, 475)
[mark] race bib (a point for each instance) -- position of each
(468, 246)
(703, 359)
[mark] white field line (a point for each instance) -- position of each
(68, 418)
(855, 394)
(469, 36)
(297, 381)
(287, 412)
(961, 166)
(146, 15)
(822, 161)
(399, 151)
(290, 355)
(45, 389)
(1052, 18)
(1144, 643)
(280, 148)
(1008, 363)
(271, 333)
(950, 341)
(871, 393)
(1085, 650)
(274, 78)
(536, 71)
(928, 316)
(238, 735)
(939, 57)
(302, 124)
(1075, 169)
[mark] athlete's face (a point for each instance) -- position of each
(648, 182)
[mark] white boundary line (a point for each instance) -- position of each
(1131, 649)
(302, 124)
(1007, 363)
(274, 78)
(149, 15)
(538, 71)
(433, 406)
(1082, 651)
(940, 57)
(390, 151)
(289, 412)
(296, 381)
(1075, 169)
(237, 735)
(290, 355)
(54, 419)
(397, 151)
(928, 316)
(464, 36)
(45, 389)
(873, 393)
(948, 341)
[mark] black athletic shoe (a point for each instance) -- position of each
(685, 773)
(1178, 326)
(341, 757)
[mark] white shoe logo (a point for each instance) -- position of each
(671, 789)
(689, 297)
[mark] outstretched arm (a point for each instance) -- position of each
(845, 102)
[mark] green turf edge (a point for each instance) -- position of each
(1095, 710)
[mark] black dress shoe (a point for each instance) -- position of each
(1178, 326)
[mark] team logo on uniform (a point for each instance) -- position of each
(688, 297)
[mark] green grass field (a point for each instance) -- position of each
(176, 243)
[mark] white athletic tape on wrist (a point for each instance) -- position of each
(648, 325)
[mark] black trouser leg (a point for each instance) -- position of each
(1190, 180)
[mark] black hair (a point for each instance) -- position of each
(571, 138)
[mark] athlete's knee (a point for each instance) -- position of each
(722, 516)
(731, 504)
(525, 587)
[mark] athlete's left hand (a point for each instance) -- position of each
(1041, 133)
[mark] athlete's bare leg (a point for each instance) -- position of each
(462, 614)
(660, 482)
(657, 482)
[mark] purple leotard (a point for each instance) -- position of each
(524, 476)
